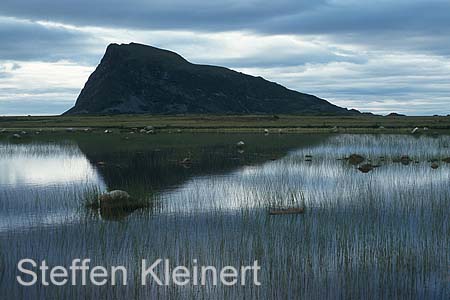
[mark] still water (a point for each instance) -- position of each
(381, 234)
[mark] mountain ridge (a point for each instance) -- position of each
(136, 79)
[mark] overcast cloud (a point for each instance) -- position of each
(377, 56)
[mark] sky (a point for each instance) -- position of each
(376, 56)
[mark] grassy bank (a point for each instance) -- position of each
(247, 123)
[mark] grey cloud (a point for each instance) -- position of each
(25, 40)
(285, 16)
(269, 60)
(208, 15)
(413, 25)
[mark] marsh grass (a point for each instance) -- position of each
(381, 235)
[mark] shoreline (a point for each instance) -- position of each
(229, 124)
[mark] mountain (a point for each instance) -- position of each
(134, 78)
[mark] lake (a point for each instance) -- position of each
(379, 232)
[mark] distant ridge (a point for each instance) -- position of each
(134, 79)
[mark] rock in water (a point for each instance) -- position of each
(366, 168)
(135, 78)
(355, 159)
(405, 160)
(114, 199)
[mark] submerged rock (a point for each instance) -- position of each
(355, 159)
(114, 199)
(366, 168)
(186, 161)
(287, 211)
(405, 160)
(434, 166)
(446, 160)
(116, 205)
(240, 144)
(118, 200)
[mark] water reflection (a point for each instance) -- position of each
(44, 165)
(383, 234)
(41, 184)
(318, 175)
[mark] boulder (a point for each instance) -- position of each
(114, 199)
(366, 168)
(434, 166)
(405, 160)
(355, 159)
(240, 144)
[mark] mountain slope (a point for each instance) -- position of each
(135, 78)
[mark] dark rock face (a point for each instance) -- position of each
(134, 78)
